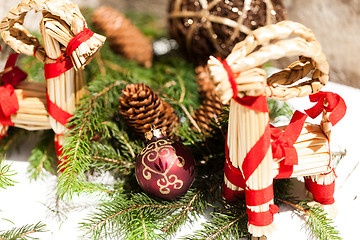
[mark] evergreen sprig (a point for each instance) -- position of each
(43, 158)
(5, 175)
(228, 222)
(318, 224)
(87, 122)
(142, 217)
(23, 233)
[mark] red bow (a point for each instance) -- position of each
(330, 102)
(8, 104)
(10, 77)
(12, 74)
(283, 141)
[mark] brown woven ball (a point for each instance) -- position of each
(212, 27)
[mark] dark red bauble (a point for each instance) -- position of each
(164, 168)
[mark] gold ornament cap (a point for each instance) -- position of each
(155, 134)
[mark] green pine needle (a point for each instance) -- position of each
(23, 233)
(320, 225)
(42, 158)
(5, 175)
(142, 217)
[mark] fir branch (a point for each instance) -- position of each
(317, 222)
(42, 157)
(222, 229)
(5, 174)
(141, 215)
(23, 232)
(279, 109)
(115, 67)
(76, 147)
(183, 212)
(100, 62)
(228, 223)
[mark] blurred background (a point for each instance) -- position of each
(335, 24)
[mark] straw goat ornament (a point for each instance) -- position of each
(68, 45)
(258, 152)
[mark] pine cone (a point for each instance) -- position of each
(124, 37)
(211, 105)
(142, 108)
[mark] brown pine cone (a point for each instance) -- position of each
(142, 108)
(211, 106)
(123, 36)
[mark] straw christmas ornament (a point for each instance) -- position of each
(68, 45)
(257, 152)
(203, 28)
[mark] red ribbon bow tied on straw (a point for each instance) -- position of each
(10, 77)
(283, 141)
(8, 104)
(12, 74)
(330, 102)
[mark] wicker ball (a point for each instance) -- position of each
(212, 27)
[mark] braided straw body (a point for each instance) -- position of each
(124, 37)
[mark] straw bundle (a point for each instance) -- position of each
(313, 150)
(247, 126)
(66, 89)
(32, 113)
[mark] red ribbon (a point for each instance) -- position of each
(330, 102)
(12, 75)
(59, 151)
(232, 195)
(256, 154)
(56, 112)
(257, 103)
(260, 196)
(232, 173)
(261, 219)
(8, 104)
(283, 141)
(323, 194)
(57, 68)
(79, 38)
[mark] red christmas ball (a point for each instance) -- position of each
(164, 168)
